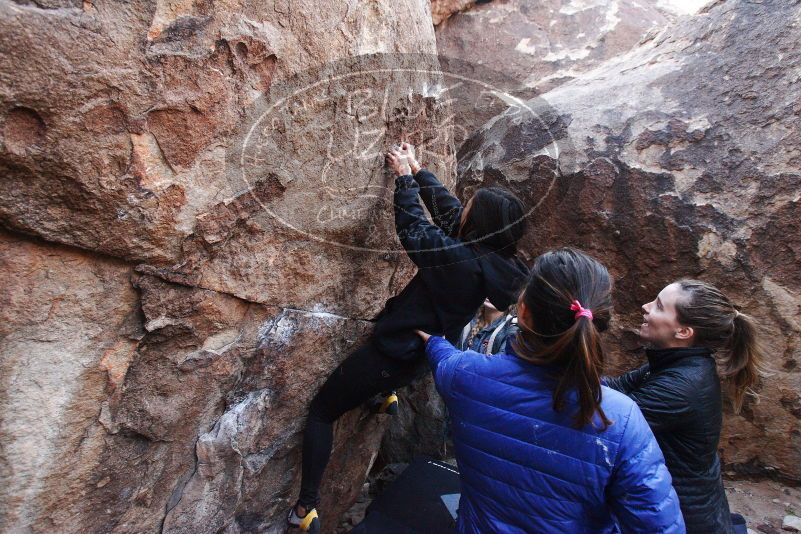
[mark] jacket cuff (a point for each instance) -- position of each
(430, 339)
(405, 182)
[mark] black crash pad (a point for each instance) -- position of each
(422, 500)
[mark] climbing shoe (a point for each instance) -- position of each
(387, 405)
(308, 523)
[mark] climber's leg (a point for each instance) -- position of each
(318, 438)
(362, 375)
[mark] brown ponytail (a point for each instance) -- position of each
(558, 337)
(719, 325)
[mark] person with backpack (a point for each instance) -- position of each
(489, 331)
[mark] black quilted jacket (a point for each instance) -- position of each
(678, 391)
(452, 279)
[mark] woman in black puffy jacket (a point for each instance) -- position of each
(695, 335)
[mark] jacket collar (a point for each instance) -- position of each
(664, 358)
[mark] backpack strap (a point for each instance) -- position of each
(495, 333)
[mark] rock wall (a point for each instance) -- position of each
(679, 158)
(521, 48)
(442, 9)
(170, 300)
(542, 44)
(420, 428)
(196, 230)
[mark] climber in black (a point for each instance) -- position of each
(464, 256)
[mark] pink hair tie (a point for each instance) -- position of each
(581, 312)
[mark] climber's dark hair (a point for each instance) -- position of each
(557, 338)
(719, 325)
(495, 220)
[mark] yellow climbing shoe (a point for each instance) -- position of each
(390, 405)
(308, 523)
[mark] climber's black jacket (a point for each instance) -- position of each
(452, 279)
(678, 392)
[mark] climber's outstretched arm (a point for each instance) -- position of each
(427, 244)
(445, 209)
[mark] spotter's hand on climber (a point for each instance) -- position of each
(463, 255)
(424, 336)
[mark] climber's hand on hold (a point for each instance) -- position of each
(408, 150)
(423, 335)
(398, 163)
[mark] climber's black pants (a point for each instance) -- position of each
(362, 375)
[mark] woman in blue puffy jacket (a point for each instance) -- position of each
(541, 445)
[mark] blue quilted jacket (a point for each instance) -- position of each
(526, 468)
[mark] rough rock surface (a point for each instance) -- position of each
(68, 329)
(169, 307)
(680, 158)
(543, 44)
(419, 428)
(442, 9)
(517, 49)
(133, 404)
(682, 7)
(126, 150)
(791, 523)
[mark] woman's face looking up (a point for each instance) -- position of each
(660, 327)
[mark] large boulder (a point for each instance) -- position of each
(517, 49)
(541, 44)
(197, 230)
(679, 159)
(120, 129)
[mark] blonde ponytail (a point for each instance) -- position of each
(741, 361)
(720, 326)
